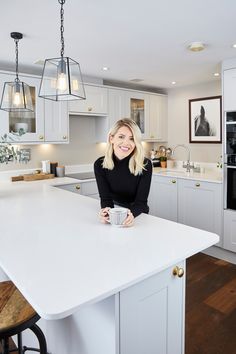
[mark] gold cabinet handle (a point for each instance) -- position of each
(77, 186)
(41, 137)
(178, 271)
(173, 181)
(64, 137)
(90, 109)
(197, 184)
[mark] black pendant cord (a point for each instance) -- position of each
(62, 2)
(17, 69)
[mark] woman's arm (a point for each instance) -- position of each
(103, 186)
(140, 203)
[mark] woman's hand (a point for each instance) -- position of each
(104, 215)
(129, 220)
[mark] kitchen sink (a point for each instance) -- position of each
(173, 173)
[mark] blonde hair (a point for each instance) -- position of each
(136, 162)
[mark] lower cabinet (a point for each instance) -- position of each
(152, 315)
(163, 197)
(190, 202)
(230, 230)
(85, 188)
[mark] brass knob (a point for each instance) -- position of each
(90, 109)
(41, 137)
(173, 181)
(197, 184)
(77, 186)
(64, 137)
(152, 136)
(178, 271)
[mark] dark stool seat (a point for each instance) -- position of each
(16, 315)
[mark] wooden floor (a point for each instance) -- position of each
(210, 306)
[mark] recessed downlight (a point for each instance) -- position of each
(173, 82)
(196, 46)
(216, 74)
(105, 68)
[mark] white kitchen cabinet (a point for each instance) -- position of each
(162, 199)
(230, 230)
(56, 121)
(229, 90)
(34, 120)
(88, 188)
(138, 103)
(157, 123)
(200, 205)
(94, 104)
(152, 315)
(118, 106)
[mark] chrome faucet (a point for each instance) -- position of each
(188, 165)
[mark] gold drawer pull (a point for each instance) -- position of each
(173, 181)
(41, 137)
(77, 186)
(178, 271)
(90, 109)
(197, 184)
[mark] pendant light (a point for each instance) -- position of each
(16, 96)
(62, 79)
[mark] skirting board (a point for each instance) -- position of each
(221, 253)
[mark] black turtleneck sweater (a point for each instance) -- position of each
(119, 186)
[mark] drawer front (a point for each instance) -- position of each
(88, 188)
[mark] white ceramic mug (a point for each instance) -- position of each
(117, 216)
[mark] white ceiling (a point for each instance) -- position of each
(135, 39)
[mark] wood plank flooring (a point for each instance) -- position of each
(210, 306)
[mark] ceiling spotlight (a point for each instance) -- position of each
(234, 45)
(216, 74)
(173, 82)
(105, 68)
(196, 46)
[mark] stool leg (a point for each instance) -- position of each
(5, 346)
(41, 338)
(19, 341)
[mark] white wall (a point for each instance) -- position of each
(178, 121)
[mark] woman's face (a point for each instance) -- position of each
(123, 142)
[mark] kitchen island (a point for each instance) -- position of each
(99, 289)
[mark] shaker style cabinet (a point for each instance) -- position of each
(48, 123)
(229, 90)
(138, 104)
(162, 199)
(152, 315)
(85, 188)
(157, 127)
(229, 230)
(118, 106)
(200, 205)
(94, 104)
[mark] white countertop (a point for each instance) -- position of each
(61, 257)
(208, 176)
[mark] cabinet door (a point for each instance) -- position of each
(152, 315)
(94, 104)
(138, 104)
(118, 106)
(230, 230)
(157, 118)
(33, 121)
(163, 197)
(56, 121)
(229, 90)
(200, 205)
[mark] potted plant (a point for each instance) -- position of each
(163, 160)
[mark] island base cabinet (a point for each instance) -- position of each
(230, 230)
(152, 315)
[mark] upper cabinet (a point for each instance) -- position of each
(229, 90)
(95, 103)
(157, 129)
(48, 122)
(138, 104)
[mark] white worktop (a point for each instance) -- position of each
(61, 257)
(214, 175)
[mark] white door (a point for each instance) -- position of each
(56, 121)
(158, 118)
(152, 315)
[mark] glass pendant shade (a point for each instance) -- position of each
(16, 97)
(62, 80)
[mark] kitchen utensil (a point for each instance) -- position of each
(162, 150)
(168, 152)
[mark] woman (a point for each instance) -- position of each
(123, 175)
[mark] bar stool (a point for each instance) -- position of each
(16, 315)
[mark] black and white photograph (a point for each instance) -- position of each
(205, 120)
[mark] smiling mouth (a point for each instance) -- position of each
(123, 148)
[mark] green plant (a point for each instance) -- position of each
(9, 153)
(163, 158)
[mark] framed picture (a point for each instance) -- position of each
(205, 120)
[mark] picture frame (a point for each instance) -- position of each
(205, 120)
